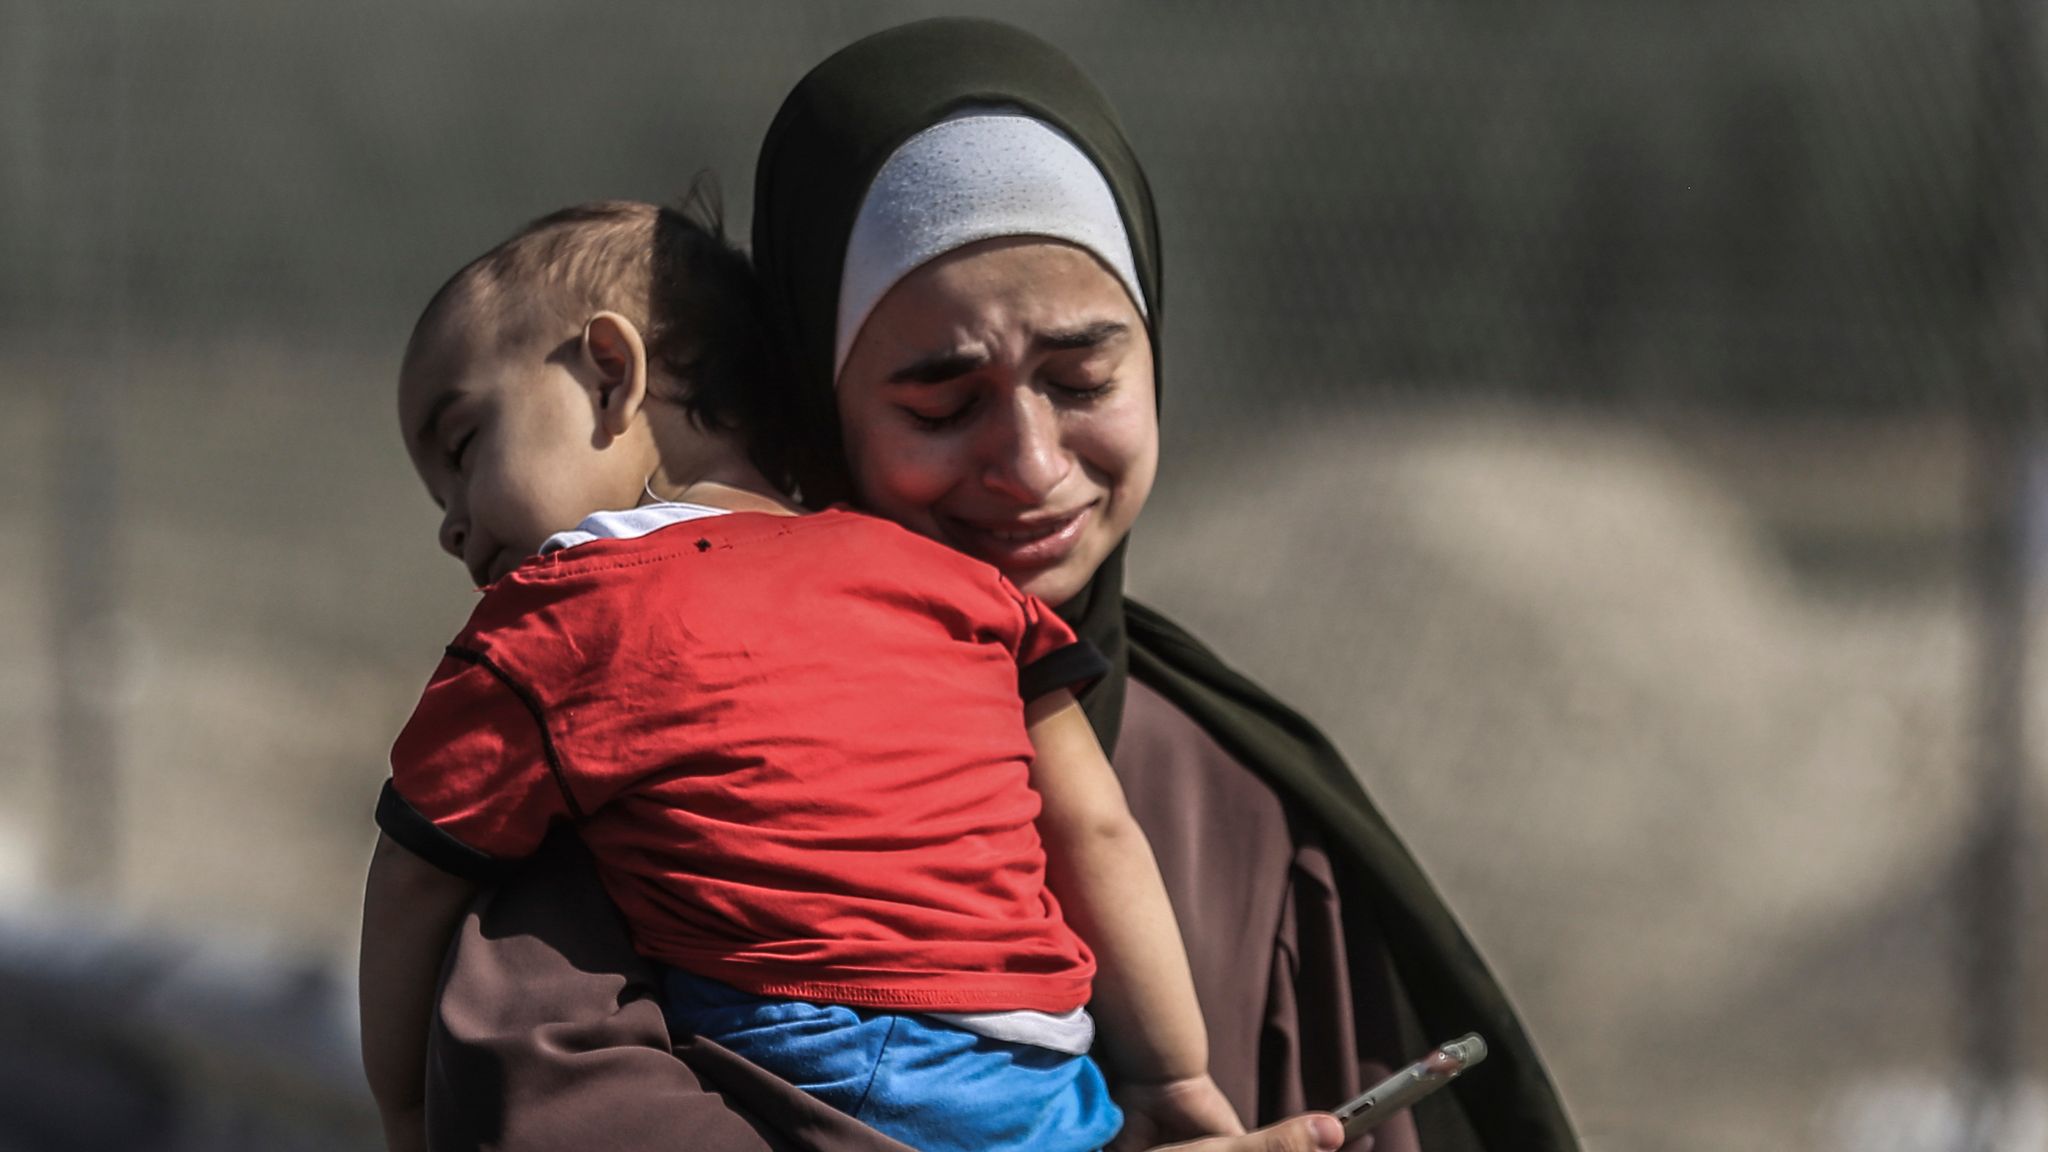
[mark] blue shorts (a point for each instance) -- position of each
(930, 1085)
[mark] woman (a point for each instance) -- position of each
(961, 253)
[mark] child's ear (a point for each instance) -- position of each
(617, 359)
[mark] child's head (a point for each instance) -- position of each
(552, 376)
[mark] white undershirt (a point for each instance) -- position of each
(627, 523)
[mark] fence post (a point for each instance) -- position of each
(2005, 408)
(91, 168)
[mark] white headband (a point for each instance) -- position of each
(973, 177)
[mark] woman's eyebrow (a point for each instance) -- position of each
(944, 366)
(939, 368)
(1086, 336)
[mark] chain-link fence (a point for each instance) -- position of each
(1613, 421)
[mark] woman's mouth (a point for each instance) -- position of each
(1025, 543)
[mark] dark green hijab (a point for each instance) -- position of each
(833, 133)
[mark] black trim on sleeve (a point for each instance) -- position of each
(1074, 666)
(412, 831)
(532, 702)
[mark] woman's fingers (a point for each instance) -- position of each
(1315, 1132)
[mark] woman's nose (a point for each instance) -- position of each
(1024, 457)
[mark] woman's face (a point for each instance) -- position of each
(1000, 399)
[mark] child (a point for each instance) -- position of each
(814, 755)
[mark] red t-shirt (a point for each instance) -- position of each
(795, 746)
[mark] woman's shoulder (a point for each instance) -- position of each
(1164, 756)
(1250, 722)
(1179, 767)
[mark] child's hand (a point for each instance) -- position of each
(1159, 1113)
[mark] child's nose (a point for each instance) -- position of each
(454, 534)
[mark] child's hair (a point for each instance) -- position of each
(670, 271)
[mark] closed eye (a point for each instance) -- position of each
(458, 450)
(931, 422)
(1088, 373)
(1084, 391)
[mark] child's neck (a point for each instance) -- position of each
(734, 487)
(694, 465)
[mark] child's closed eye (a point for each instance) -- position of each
(459, 449)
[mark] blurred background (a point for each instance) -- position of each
(1618, 423)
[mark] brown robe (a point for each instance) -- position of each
(550, 1033)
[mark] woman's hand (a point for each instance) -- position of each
(1315, 1132)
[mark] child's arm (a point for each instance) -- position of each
(1100, 867)
(410, 913)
